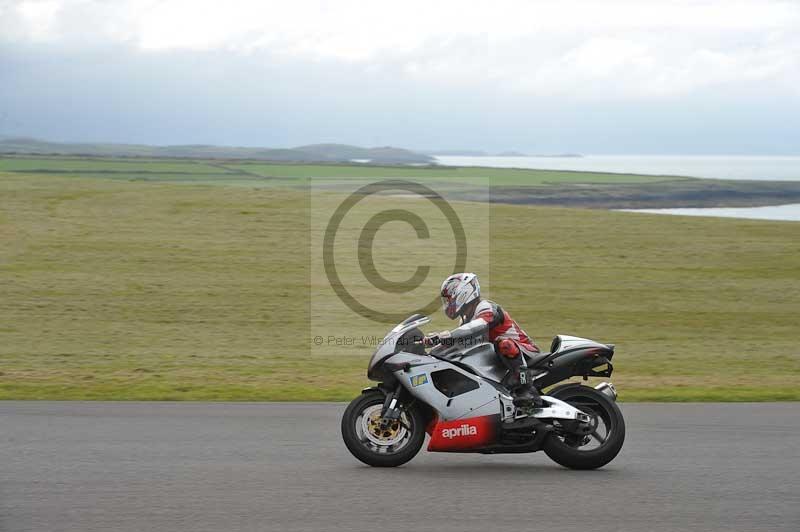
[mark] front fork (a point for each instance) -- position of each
(391, 406)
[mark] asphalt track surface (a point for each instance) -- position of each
(229, 467)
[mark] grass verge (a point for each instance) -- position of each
(152, 291)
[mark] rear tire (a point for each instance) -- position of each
(381, 448)
(567, 452)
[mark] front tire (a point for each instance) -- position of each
(577, 452)
(379, 445)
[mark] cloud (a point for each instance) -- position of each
(623, 77)
(586, 50)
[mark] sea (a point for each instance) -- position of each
(748, 167)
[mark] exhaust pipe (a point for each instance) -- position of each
(607, 389)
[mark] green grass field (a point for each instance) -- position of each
(126, 289)
(261, 174)
(497, 176)
(99, 166)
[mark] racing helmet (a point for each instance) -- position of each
(459, 290)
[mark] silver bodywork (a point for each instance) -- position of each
(484, 400)
(483, 360)
(418, 374)
(387, 346)
(566, 342)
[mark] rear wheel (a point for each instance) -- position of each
(605, 434)
(379, 443)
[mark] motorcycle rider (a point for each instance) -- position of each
(461, 298)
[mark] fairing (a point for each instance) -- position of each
(388, 345)
(426, 377)
(464, 434)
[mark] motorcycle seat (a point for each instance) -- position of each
(533, 358)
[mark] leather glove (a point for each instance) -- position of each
(435, 338)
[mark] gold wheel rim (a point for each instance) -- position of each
(382, 431)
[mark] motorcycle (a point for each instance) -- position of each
(458, 394)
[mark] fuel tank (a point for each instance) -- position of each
(483, 360)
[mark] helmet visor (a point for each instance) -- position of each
(449, 306)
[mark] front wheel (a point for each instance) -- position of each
(375, 442)
(606, 431)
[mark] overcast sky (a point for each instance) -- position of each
(716, 76)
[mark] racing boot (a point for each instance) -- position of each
(525, 394)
